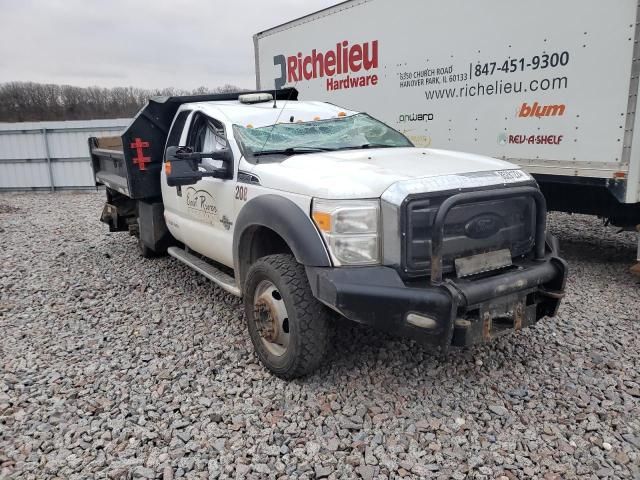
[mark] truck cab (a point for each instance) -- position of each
(307, 210)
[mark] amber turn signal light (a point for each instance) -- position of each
(323, 221)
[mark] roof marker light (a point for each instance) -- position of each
(255, 97)
(342, 114)
(249, 125)
(316, 118)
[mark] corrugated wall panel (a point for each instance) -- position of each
(21, 145)
(69, 144)
(23, 155)
(72, 174)
(24, 175)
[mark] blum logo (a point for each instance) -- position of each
(536, 110)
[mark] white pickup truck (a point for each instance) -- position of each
(305, 209)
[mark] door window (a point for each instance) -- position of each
(173, 140)
(207, 135)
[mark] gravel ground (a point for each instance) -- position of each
(119, 367)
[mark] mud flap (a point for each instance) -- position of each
(154, 233)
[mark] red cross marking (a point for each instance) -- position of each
(140, 159)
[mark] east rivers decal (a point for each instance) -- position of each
(201, 204)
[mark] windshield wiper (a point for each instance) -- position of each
(293, 151)
(368, 145)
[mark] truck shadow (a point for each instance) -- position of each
(575, 249)
(363, 347)
(378, 362)
(586, 238)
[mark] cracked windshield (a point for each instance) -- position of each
(343, 133)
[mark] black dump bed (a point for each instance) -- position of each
(131, 163)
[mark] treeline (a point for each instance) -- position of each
(34, 102)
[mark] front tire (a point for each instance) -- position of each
(288, 327)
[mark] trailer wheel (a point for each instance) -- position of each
(289, 328)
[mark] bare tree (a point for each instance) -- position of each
(28, 101)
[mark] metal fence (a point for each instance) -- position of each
(50, 155)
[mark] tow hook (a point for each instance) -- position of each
(551, 294)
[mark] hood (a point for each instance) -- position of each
(367, 173)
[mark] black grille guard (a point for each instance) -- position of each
(437, 238)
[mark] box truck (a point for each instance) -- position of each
(551, 86)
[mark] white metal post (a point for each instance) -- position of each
(48, 156)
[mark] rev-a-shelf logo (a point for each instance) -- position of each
(528, 139)
(343, 67)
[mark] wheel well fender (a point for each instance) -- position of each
(284, 218)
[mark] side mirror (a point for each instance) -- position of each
(181, 165)
(226, 155)
(180, 170)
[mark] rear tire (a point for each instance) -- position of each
(289, 328)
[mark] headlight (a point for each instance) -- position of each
(350, 229)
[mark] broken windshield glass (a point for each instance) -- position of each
(352, 132)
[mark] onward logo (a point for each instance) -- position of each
(345, 60)
(416, 117)
(539, 111)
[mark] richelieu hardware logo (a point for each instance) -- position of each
(342, 66)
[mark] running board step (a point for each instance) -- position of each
(217, 276)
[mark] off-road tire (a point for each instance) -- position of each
(309, 320)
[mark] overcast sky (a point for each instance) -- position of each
(143, 43)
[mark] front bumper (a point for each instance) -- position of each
(455, 311)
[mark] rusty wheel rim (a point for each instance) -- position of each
(271, 318)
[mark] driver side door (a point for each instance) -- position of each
(207, 207)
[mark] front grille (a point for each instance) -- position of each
(469, 229)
